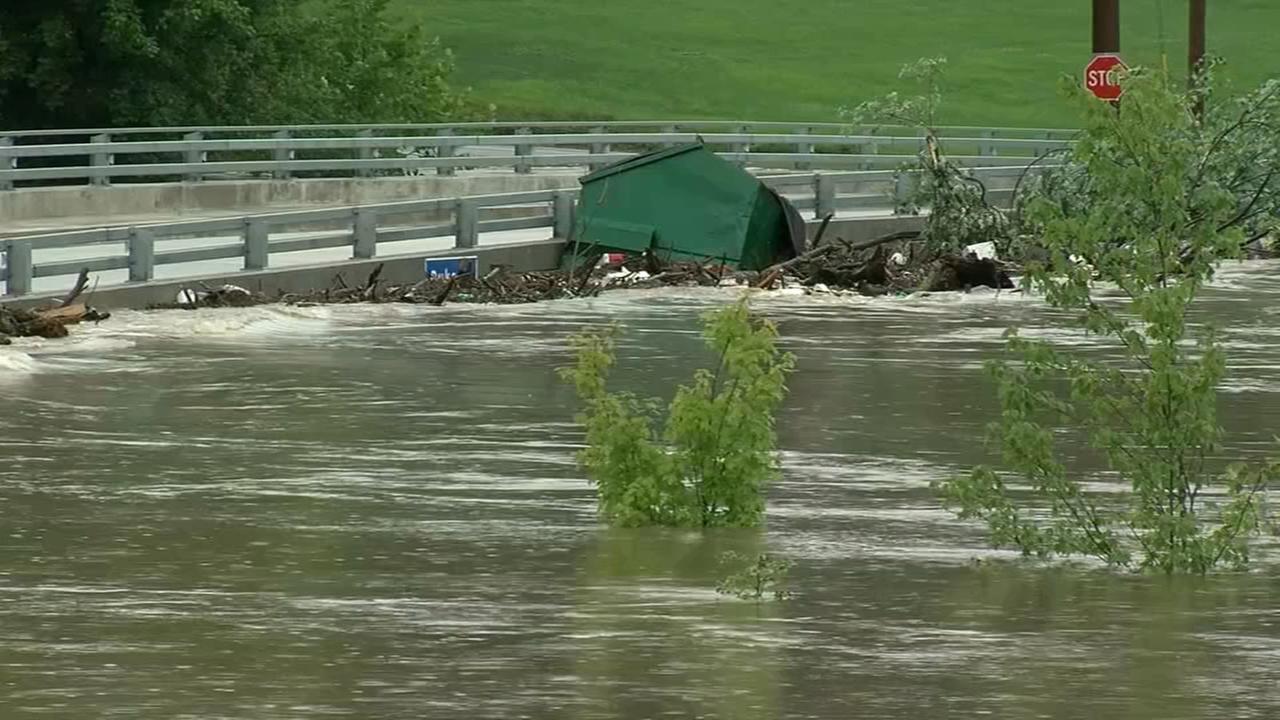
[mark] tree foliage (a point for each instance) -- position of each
(959, 214)
(1156, 226)
(1234, 148)
(914, 111)
(115, 63)
(710, 465)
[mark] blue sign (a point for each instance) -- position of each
(454, 266)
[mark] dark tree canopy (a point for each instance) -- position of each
(118, 63)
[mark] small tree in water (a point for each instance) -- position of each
(1154, 231)
(754, 578)
(717, 453)
(959, 213)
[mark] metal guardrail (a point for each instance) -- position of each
(597, 126)
(195, 154)
(366, 229)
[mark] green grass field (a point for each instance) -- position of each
(801, 59)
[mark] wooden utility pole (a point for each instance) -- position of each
(1106, 26)
(1196, 49)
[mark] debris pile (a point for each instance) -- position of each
(46, 323)
(49, 322)
(498, 286)
(895, 264)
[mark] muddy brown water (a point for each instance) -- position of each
(373, 512)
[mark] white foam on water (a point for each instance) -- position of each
(79, 342)
(263, 322)
(83, 350)
(16, 364)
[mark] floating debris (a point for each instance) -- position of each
(499, 286)
(895, 264)
(45, 323)
(49, 322)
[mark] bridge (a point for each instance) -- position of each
(822, 168)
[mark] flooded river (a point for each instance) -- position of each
(374, 512)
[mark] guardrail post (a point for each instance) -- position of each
(364, 152)
(805, 148)
(101, 159)
(20, 268)
(741, 147)
(142, 255)
(445, 151)
(824, 191)
(366, 234)
(194, 157)
(282, 155)
(901, 191)
(7, 164)
(598, 148)
(987, 148)
(523, 150)
(562, 214)
(670, 130)
(468, 234)
(257, 244)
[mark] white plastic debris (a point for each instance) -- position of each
(820, 287)
(983, 251)
(897, 259)
(624, 275)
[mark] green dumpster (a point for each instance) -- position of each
(686, 203)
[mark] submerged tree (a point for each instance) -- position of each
(959, 214)
(1155, 229)
(755, 578)
(711, 464)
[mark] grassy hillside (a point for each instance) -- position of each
(801, 59)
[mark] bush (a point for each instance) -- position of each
(718, 450)
(1155, 228)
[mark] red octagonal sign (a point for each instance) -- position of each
(1102, 76)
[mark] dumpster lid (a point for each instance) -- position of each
(638, 161)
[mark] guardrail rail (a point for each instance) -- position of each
(195, 154)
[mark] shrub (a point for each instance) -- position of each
(711, 464)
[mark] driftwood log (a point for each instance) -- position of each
(50, 322)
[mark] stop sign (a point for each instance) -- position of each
(1102, 76)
